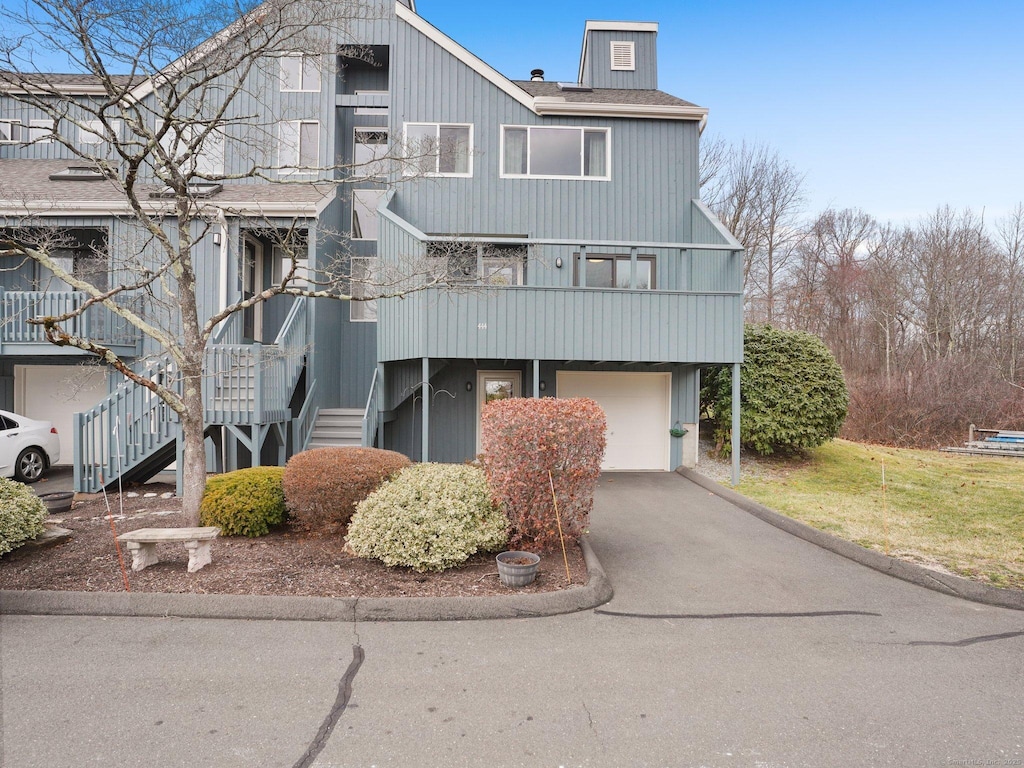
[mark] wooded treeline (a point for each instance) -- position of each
(926, 319)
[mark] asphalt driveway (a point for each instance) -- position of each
(728, 643)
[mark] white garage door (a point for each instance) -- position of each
(637, 406)
(56, 393)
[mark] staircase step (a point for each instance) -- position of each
(329, 433)
(334, 443)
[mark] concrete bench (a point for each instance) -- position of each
(142, 544)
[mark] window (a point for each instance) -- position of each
(487, 263)
(439, 149)
(365, 219)
(93, 132)
(40, 131)
(623, 55)
(559, 153)
(300, 146)
(10, 131)
(283, 264)
(370, 148)
(604, 271)
(363, 273)
(300, 72)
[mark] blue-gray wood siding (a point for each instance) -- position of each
(597, 65)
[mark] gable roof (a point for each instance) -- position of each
(537, 96)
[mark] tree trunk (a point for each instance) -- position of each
(193, 469)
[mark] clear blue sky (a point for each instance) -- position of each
(894, 107)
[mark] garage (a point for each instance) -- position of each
(56, 393)
(638, 409)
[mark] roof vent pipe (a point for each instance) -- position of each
(536, 74)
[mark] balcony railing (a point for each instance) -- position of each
(96, 323)
(563, 324)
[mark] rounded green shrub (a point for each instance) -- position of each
(792, 392)
(245, 502)
(428, 517)
(323, 485)
(21, 515)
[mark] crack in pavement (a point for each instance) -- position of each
(744, 615)
(968, 641)
(344, 694)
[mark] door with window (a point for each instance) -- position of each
(495, 385)
(252, 284)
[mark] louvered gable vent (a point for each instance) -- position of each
(623, 55)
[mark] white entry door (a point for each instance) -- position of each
(637, 407)
(56, 393)
(495, 385)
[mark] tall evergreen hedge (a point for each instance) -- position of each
(792, 392)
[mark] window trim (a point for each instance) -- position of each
(302, 72)
(371, 261)
(582, 131)
(44, 125)
(99, 133)
(439, 125)
(616, 258)
(298, 169)
(14, 139)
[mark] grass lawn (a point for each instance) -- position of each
(961, 513)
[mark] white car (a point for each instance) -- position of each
(27, 447)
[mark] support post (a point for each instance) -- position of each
(581, 270)
(425, 393)
(536, 378)
(735, 424)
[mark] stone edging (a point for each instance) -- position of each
(956, 586)
(597, 591)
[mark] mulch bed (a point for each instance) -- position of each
(288, 561)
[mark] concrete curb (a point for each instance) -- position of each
(956, 586)
(597, 591)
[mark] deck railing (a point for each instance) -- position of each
(243, 384)
(96, 322)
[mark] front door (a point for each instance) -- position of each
(252, 283)
(495, 385)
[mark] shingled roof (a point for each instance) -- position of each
(639, 97)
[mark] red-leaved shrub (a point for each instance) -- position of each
(524, 438)
(322, 486)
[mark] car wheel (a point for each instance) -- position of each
(30, 465)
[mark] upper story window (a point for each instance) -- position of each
(207, 157)
(299, 151)
(494, 264)
(300, 72)
(95, 133)
(365, 219)
(439, 149)
(615, 271)
(555, 152)
(370, 148)
(10, 131)
(40, 131)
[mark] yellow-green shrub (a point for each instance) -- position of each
(428, 517)
(245, 502)
(21, 515)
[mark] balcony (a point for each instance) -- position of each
(19, 337)
(563, 324)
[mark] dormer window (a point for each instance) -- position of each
(623, 53)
